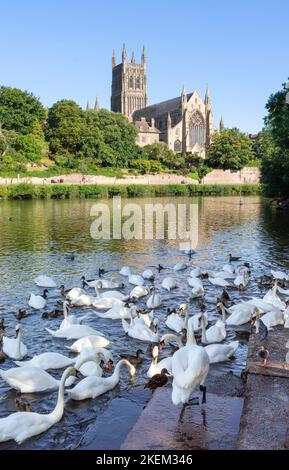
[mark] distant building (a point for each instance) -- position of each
(147, 133)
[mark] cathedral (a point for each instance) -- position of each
(184, 123)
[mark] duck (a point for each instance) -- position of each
(74, 332)
(109, 366)
(139, 291)
(54, 314)
(125, 271)
(190, 367)
(20, 426)
(263, 354)
(48, 360)
(221, 352)
(45, 281)
(89, 342)
(2, 354)
(148, 274)
(38, 302)
(154, 301)
(139, 330)
(156, 367)
(169, 283)
(175, 320)
(22, 313)
(180, 266)
(214, 334)
(158, 380)
(2, 325)
(30, 379)
(22, 405)
(136, 360)
(13, 347)
(136, 279)
(233, 258)
(93, 386)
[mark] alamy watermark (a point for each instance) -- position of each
(149, 221)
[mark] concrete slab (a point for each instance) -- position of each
(214, 425)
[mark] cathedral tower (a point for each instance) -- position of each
(129, 83)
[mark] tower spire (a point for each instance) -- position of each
(143, 56)
(123, 53)
(169, 121)
(96, 105)
(222, 125)
(132, 58)
(184, 96)
(113, 58)
(87, 106)
(207, 96)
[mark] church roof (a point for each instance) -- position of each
(159, 109)
(143, 126)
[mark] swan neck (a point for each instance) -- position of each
(97, 291)
(57, 413)
(119, 365)
(190, 334)
(224, 314)
(18, 344)
(204, 336)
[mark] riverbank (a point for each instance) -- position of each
(73, 191)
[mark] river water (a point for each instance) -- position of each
(35, 238)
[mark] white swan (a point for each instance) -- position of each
(44, 281)
(176, 321)
(281, 276)
(171, 337)
(103, 284)
(74, 293)
(214, 334)
(110, 294)
(92, 387)
(139, 330)
(272, 298)
(148, 274)
(89, 363)
(169, 283)
(104, 303)
(180, 266)
(228, 268)
(89, 342)
(196, 272)
(218, 281)
(70, 319)
(154, 301)
(21, 425)
(13, 347)
(38, 301)
(241, 280)
(83, 300)
(139, 291)
(31, 379)
(136, 280)
(48, 360)
(156, 367)
(74, 332)
(271, 319)
(125, 271)
(190, 367)
(221, 352)
(239, 314)
(118, 312)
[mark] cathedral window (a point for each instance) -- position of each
(137, 82)
(197, 129)
(131, 82)
(177, 146)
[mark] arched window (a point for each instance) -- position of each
(131, 82)
(197, 129)
(177, 146)
(137, 82)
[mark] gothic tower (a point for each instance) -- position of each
(129, 83)
(208, 116)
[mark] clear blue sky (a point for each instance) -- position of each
(62, 49)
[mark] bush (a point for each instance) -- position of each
(229, 150)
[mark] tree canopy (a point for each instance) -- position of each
(229, 150)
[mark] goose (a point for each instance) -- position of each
(74, 332)
(281, 276)
(221, 352)
(154, 301)
(135, 360)
(190, 367)
(158, 380)
(13, 347)
(136, 280)
(93, 386)
(44, 281)
(175, 321)
(139, 291)
(125, 271)
(104, 303)
(38, 301)
(21, 425)
(110, 294)
(139, 330)
(89, 342)
(169, 283)
(180, 266)
(118, 312)
(214, 334)
(74, 294)
(218, 281)
(156, 367)
(148, 274)
(48, 360)
(31, 379)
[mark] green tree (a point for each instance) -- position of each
(278, 118)
(229, 150)
(28, 148)
(19, 109)
(160, 152)
(264, 144)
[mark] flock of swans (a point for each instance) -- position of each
(193, 340)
